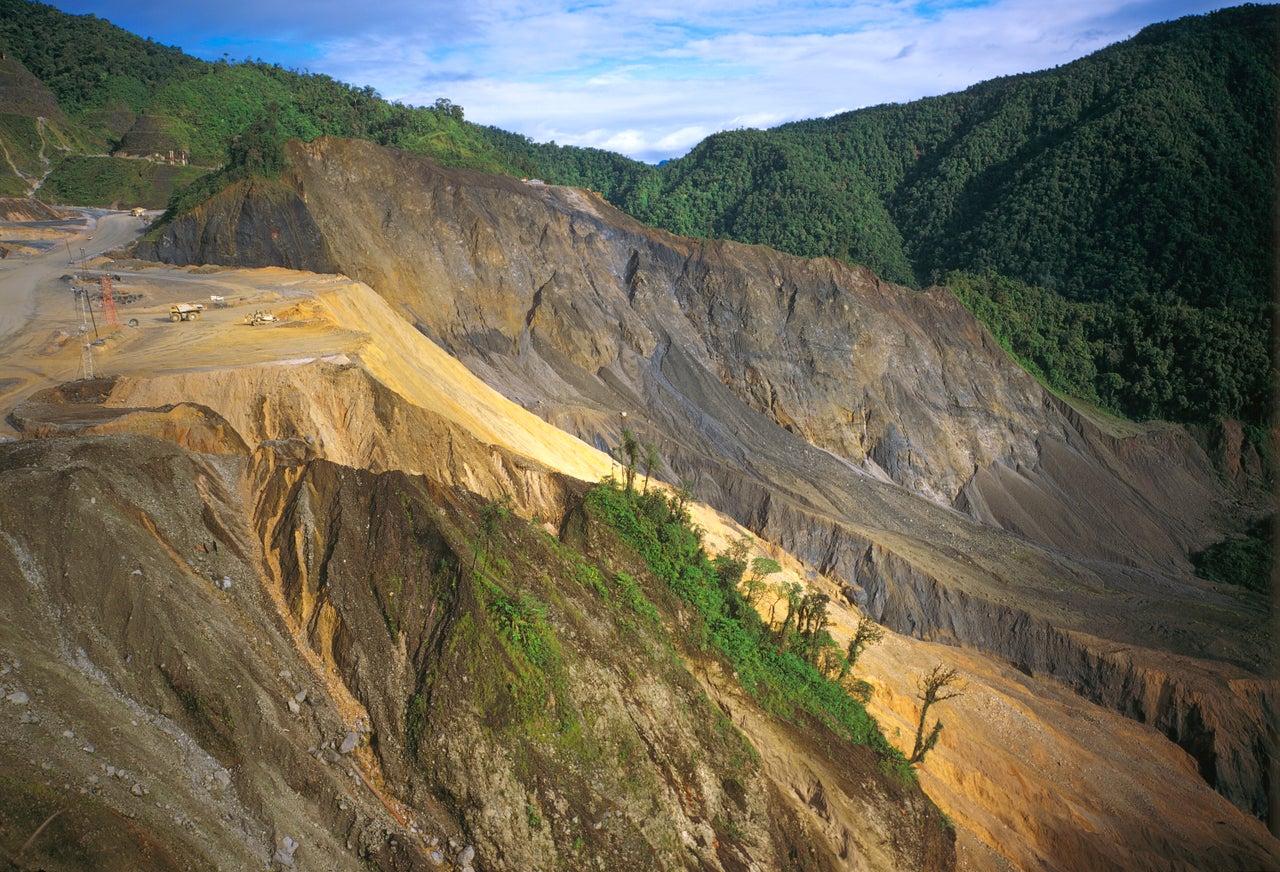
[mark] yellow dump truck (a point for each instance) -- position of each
(185, 311)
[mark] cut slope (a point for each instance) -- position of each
(563, 302)
(312, 377)
(23, 94)
(789, 391)
(383, 703)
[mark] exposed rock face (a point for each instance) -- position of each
(1119, 492)
(351, 701)
(252, 222)
(340, 548)
(791, 393)
(564, 302)
(528, 801)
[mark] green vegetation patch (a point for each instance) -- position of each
(11, 185)
(1245, 561)
(1144, 356)
(526, 680)
(774, 667)
(116, 183)
(533, 667)
(22, 143)
(29, 145)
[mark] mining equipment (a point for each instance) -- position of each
(185, 311)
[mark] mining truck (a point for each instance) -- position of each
(185, 311)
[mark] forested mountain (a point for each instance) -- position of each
(1129, 196)
(131, 96)
(1110, 219)
(1124, 171)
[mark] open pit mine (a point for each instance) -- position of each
(321, 579)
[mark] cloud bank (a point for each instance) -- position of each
(650, 80)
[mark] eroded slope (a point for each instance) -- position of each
(842, 417)
(321, 385)
(270, 658)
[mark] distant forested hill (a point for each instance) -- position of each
(131, 96)
(1146, 166)
(101, 75)
(1111, 220)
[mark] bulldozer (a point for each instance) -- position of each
(260, 317)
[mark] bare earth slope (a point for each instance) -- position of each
(320, 592)
(536, 281)
(241, 632)
(251, 411)
(294, 449)
(875, 432)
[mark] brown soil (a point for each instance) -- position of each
(282, 451)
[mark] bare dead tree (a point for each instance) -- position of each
(628, 453)
(16, 859)
(651, 460)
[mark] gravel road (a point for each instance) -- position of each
(29, 283)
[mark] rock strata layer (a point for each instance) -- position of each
(794, 395)
(876, 432)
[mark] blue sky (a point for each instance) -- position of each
(646, 79)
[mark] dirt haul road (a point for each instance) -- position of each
(43, 333)
(30, 286)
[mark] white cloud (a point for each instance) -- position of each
(652, 79)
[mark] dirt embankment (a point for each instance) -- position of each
(577, 311)
(276, 659)
(346, 584)
(304, 565)
(24, 209)
(509, 297)
(744, 361)
(790, 392)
